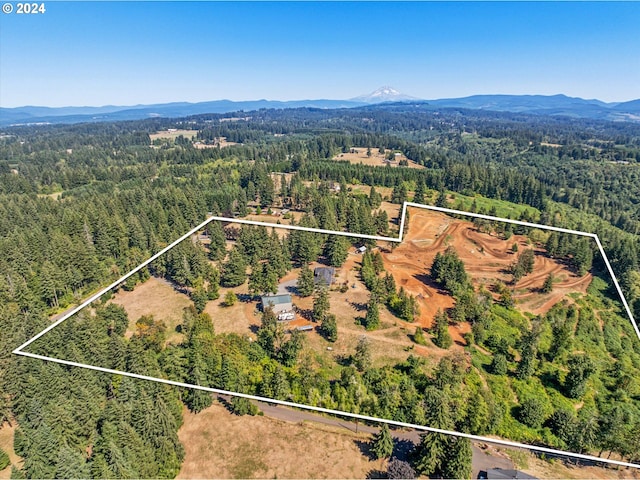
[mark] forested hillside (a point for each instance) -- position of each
(81, 205)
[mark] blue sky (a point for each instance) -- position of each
(126, 53)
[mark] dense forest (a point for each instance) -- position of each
(81, 205)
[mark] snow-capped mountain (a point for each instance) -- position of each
(384, 94)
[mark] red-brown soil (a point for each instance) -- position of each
(486, 258)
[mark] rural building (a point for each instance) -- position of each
(281, 305)
(323, 275)
(361, 249)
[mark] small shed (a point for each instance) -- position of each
(280, 304)
(323, 276)
(361, 249)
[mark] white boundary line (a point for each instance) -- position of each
(19, 350)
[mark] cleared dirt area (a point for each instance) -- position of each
(220, 142)
(377, 159)
(221, 445)
(6, 444)
(486, 258)
(173, 134)
(155, 297)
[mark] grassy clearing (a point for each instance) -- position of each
(158, 298)
(503, 208)
(221, 445)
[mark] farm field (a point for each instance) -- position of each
(173, 134)
(359, 155)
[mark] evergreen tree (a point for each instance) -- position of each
(581, 367)
(458, 458)
(218, 241)
(234, 271)
(547, 287)
(329, 327)
(200, 298)
(372, 318)
(441, 336)
(531, 412)
(362, 357)
(336, 250)
(382, 444)
(230, 299)
(306, 283)
(419, 193)
(320, 305)
(499, 364)
(528, 349)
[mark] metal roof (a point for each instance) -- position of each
(275, 299)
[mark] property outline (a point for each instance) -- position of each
(479, 438)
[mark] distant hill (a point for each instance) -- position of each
(554, 105)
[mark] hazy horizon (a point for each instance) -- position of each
(138, 53)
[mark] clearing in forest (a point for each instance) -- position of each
(358, 155)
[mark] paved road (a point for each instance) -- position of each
(405, 439)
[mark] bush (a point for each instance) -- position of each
(531, 413)
(499, 365)
(243, 406)
(400, 469)
(419, 337)
(230, 299)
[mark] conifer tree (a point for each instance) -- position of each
(382, 444)
(441, 336)
(234, 271)
(306, 283)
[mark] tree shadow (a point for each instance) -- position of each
(550, 380)
(359, 307)
(344, 360)
(376, 474)
(254, 329)
(365, 449)
(402, 448)
(245, 297)
(431, 283)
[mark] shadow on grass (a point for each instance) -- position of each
(365, 449)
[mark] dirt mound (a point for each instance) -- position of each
(487, 259)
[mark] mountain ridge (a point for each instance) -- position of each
(554, 105)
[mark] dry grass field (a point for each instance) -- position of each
(154, 297)
(6, 444)
(221, 445)
(376, 159)
(190, 134)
